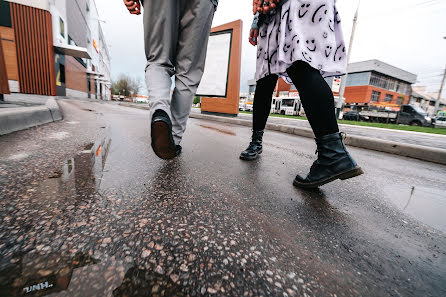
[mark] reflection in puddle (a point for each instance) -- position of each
(31, 274)
(218, 130)
(83, 276)
(37, 276)
(81, 175)
(427, 205)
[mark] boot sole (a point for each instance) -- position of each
(342, 176)
(161, 141)
(251, 158)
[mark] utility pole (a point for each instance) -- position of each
(437, 104)
(341, 100)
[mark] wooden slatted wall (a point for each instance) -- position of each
(4, 86)
(35, 52)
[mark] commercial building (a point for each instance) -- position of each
(369, 82)
(425, 100)
(374, 82)
(55, 47)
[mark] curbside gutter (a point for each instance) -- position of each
(420, 152)
(20, 118)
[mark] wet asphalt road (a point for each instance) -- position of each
(87, 209)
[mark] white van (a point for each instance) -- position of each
(286, 105)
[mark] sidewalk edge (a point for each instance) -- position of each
(424, 153)
(23, 118)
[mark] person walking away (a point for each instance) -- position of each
(176, 34)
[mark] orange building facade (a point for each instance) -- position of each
(369, 83)
(54, 48)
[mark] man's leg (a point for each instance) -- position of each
(161, 21)
(195, 24)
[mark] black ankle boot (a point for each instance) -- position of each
(255, 147)
(333, 162)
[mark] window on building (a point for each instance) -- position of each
(400, 100)
(418, 100)
(293, 88)
(389, 98)
(378, 81)
(375, 96)
(432, 103)
(391, 84)
(62, 27)
(358, 79)
(5, 14)
(388, 83)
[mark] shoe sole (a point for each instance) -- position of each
(161, 143)
(342, 176)
(251, 158)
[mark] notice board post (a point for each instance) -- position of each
(220, 86)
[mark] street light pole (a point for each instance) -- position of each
(344, 79)
(437, 103)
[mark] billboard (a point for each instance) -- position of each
(215, 77)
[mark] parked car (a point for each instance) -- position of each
(408, 115)
(354, 115)
(141, 100)
(440, 122)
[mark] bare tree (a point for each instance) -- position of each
(126, 85)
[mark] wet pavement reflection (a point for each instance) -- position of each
(224, 131)
(41, 276)
(45, 273)
(426, 204)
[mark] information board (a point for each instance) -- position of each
(215, 77)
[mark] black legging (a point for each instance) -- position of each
(315, 94)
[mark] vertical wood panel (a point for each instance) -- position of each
(50, 53)
(32, 48)
(41, 66)
(17, 29)
(47, 86)
(35, 53)
(4, 86)
(9, 51)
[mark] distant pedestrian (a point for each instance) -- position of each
(302, 41)
(176, 34)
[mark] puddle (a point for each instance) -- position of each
(57, 275)
(79, 177)
(218, 130)
(83, 275)
(85, 170)
(427, 205)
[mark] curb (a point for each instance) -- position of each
(424, 153)
(21, 118)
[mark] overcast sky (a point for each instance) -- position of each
(404, 33)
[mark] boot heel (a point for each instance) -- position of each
(352, 173)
